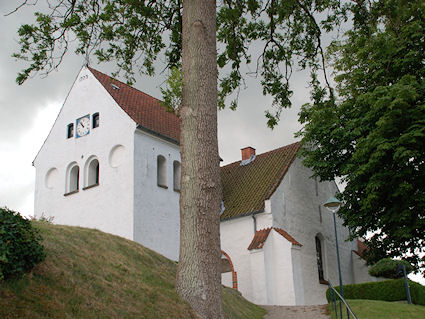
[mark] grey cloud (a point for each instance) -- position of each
(19, 104)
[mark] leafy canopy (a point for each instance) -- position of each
(134, 33)
(389, 268)
(373, 135)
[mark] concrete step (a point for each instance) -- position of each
(297, 312)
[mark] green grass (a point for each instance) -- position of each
(90, 274)
(374, 309)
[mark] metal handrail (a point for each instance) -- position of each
(333, 290)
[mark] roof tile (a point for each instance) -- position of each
(144, 109)
(287, 236)
(261, 236)
(245, 188)
(259, 239)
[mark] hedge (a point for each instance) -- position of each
(387, 268)
(20, 245)
(388, 290)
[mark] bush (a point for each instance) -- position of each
(417, 292)
(387, 268)
(387, 290)
(20, 245)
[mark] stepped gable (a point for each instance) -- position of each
(261, 236)
(144, 109)
(246, 187)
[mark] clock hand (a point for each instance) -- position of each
(82, 124)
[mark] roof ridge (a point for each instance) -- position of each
(279, 148)
(288, 237)
(145, 110)
(245, 188)
(265, 153)
(284, 169)
(260, 237)
(121, 82)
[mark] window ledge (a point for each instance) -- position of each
(177, 190)
(163, 186)
(323, 282)
(70, 193)
(90, 186)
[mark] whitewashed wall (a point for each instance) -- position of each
(108, 206)
(280, 279)
(236, 235)
(265, 275)
(297, 275)
(156, 209)
(259, 292)
(360, 271)
(295, 208)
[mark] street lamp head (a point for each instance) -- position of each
(332, 204)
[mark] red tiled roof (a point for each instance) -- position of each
(287, 236)
(144, 109)
(260, 237)
(361, 248)
(245, 188)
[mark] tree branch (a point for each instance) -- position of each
(319, 45)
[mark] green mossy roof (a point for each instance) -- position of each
(245, 188)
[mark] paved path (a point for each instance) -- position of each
(296, 312)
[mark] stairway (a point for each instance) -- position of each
(297, 312)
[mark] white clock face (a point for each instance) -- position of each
(83, 126)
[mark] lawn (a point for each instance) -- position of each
(374, 309)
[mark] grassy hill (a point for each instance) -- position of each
(90, 274)
(376, 309)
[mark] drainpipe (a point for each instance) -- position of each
(255, 223)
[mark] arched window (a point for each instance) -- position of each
(162, 171)
(320, 259)
(73, 178)
(93, 173)
(176, 175)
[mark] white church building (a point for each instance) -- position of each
(111, 161)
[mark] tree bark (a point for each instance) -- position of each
(199, 275)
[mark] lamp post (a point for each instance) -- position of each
(333, 205)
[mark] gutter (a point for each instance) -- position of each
(164, 137)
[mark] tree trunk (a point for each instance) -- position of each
(199, 275)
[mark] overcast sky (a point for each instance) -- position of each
(27, 113)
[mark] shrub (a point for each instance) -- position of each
(387, 268)
(20, 245)
(387, 290)
(417, 292)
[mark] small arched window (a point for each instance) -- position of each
(320, 259)
(93, 173)
(176, 175)
(73, 178)
(162, 171)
